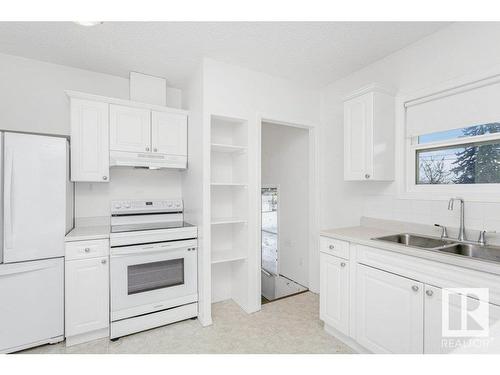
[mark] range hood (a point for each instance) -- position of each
(146, 160)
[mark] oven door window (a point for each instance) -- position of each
(155, 275)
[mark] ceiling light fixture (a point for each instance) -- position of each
(89, 23)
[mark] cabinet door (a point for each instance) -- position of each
(334, 292)
(87, 295)
(89, 141)
(389, 312)
(169, 133)
(129, 129)
(435, 342)
(358, 128)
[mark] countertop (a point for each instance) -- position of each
(363, 235)
(88, 232)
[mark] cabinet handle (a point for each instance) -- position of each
(104, 261)
(367, 176)
(414, 288)
(104, 178)
(429, 292)
(342, 264)
(147, 148)
(87, 249)
(331, 247)
(155, 150)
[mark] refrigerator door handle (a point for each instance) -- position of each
(9, 170)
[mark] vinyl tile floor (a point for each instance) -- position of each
(289, 325)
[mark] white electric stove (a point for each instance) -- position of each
(153, 265)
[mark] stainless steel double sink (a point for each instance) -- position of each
(449, 246)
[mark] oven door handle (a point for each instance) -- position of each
(147, 250)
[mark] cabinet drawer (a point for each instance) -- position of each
(334, 247)
(87, 249)
(430, 272)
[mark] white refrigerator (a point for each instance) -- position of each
(36, 201)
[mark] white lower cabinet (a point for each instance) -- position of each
(87, 298)
(437, 343)
(389, 312)
(386, 302)
(334, 294)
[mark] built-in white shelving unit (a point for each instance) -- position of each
(229, 175)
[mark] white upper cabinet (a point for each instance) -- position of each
(89, 140)
(369, 135)
(356, 125)
(108, 132)
(389, 312)
(129, 129)
(169, 133)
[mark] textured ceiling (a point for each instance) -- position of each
(311, 53)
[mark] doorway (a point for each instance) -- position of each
(284, 210)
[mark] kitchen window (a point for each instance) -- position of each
(453, 142)
(471, 161)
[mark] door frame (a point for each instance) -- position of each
(313, 196)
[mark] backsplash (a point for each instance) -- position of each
(93, 199)
(478, 215)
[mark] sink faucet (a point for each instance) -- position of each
(461, 232)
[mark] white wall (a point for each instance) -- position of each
(32, 94)
(194, 182)
(285, 162)
(458, 50)
(32, 99)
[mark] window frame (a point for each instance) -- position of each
(414, 147)
(407, 147)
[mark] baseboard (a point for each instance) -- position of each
(87, 336)
(349, 341)
(52, 340)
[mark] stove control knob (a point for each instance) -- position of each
(177, 205)
(118, 206)
(127, 205)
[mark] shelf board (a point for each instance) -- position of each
(227, 220)
(228, 184)
(224, 256)
(227, 148)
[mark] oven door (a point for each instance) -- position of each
(152, 277)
